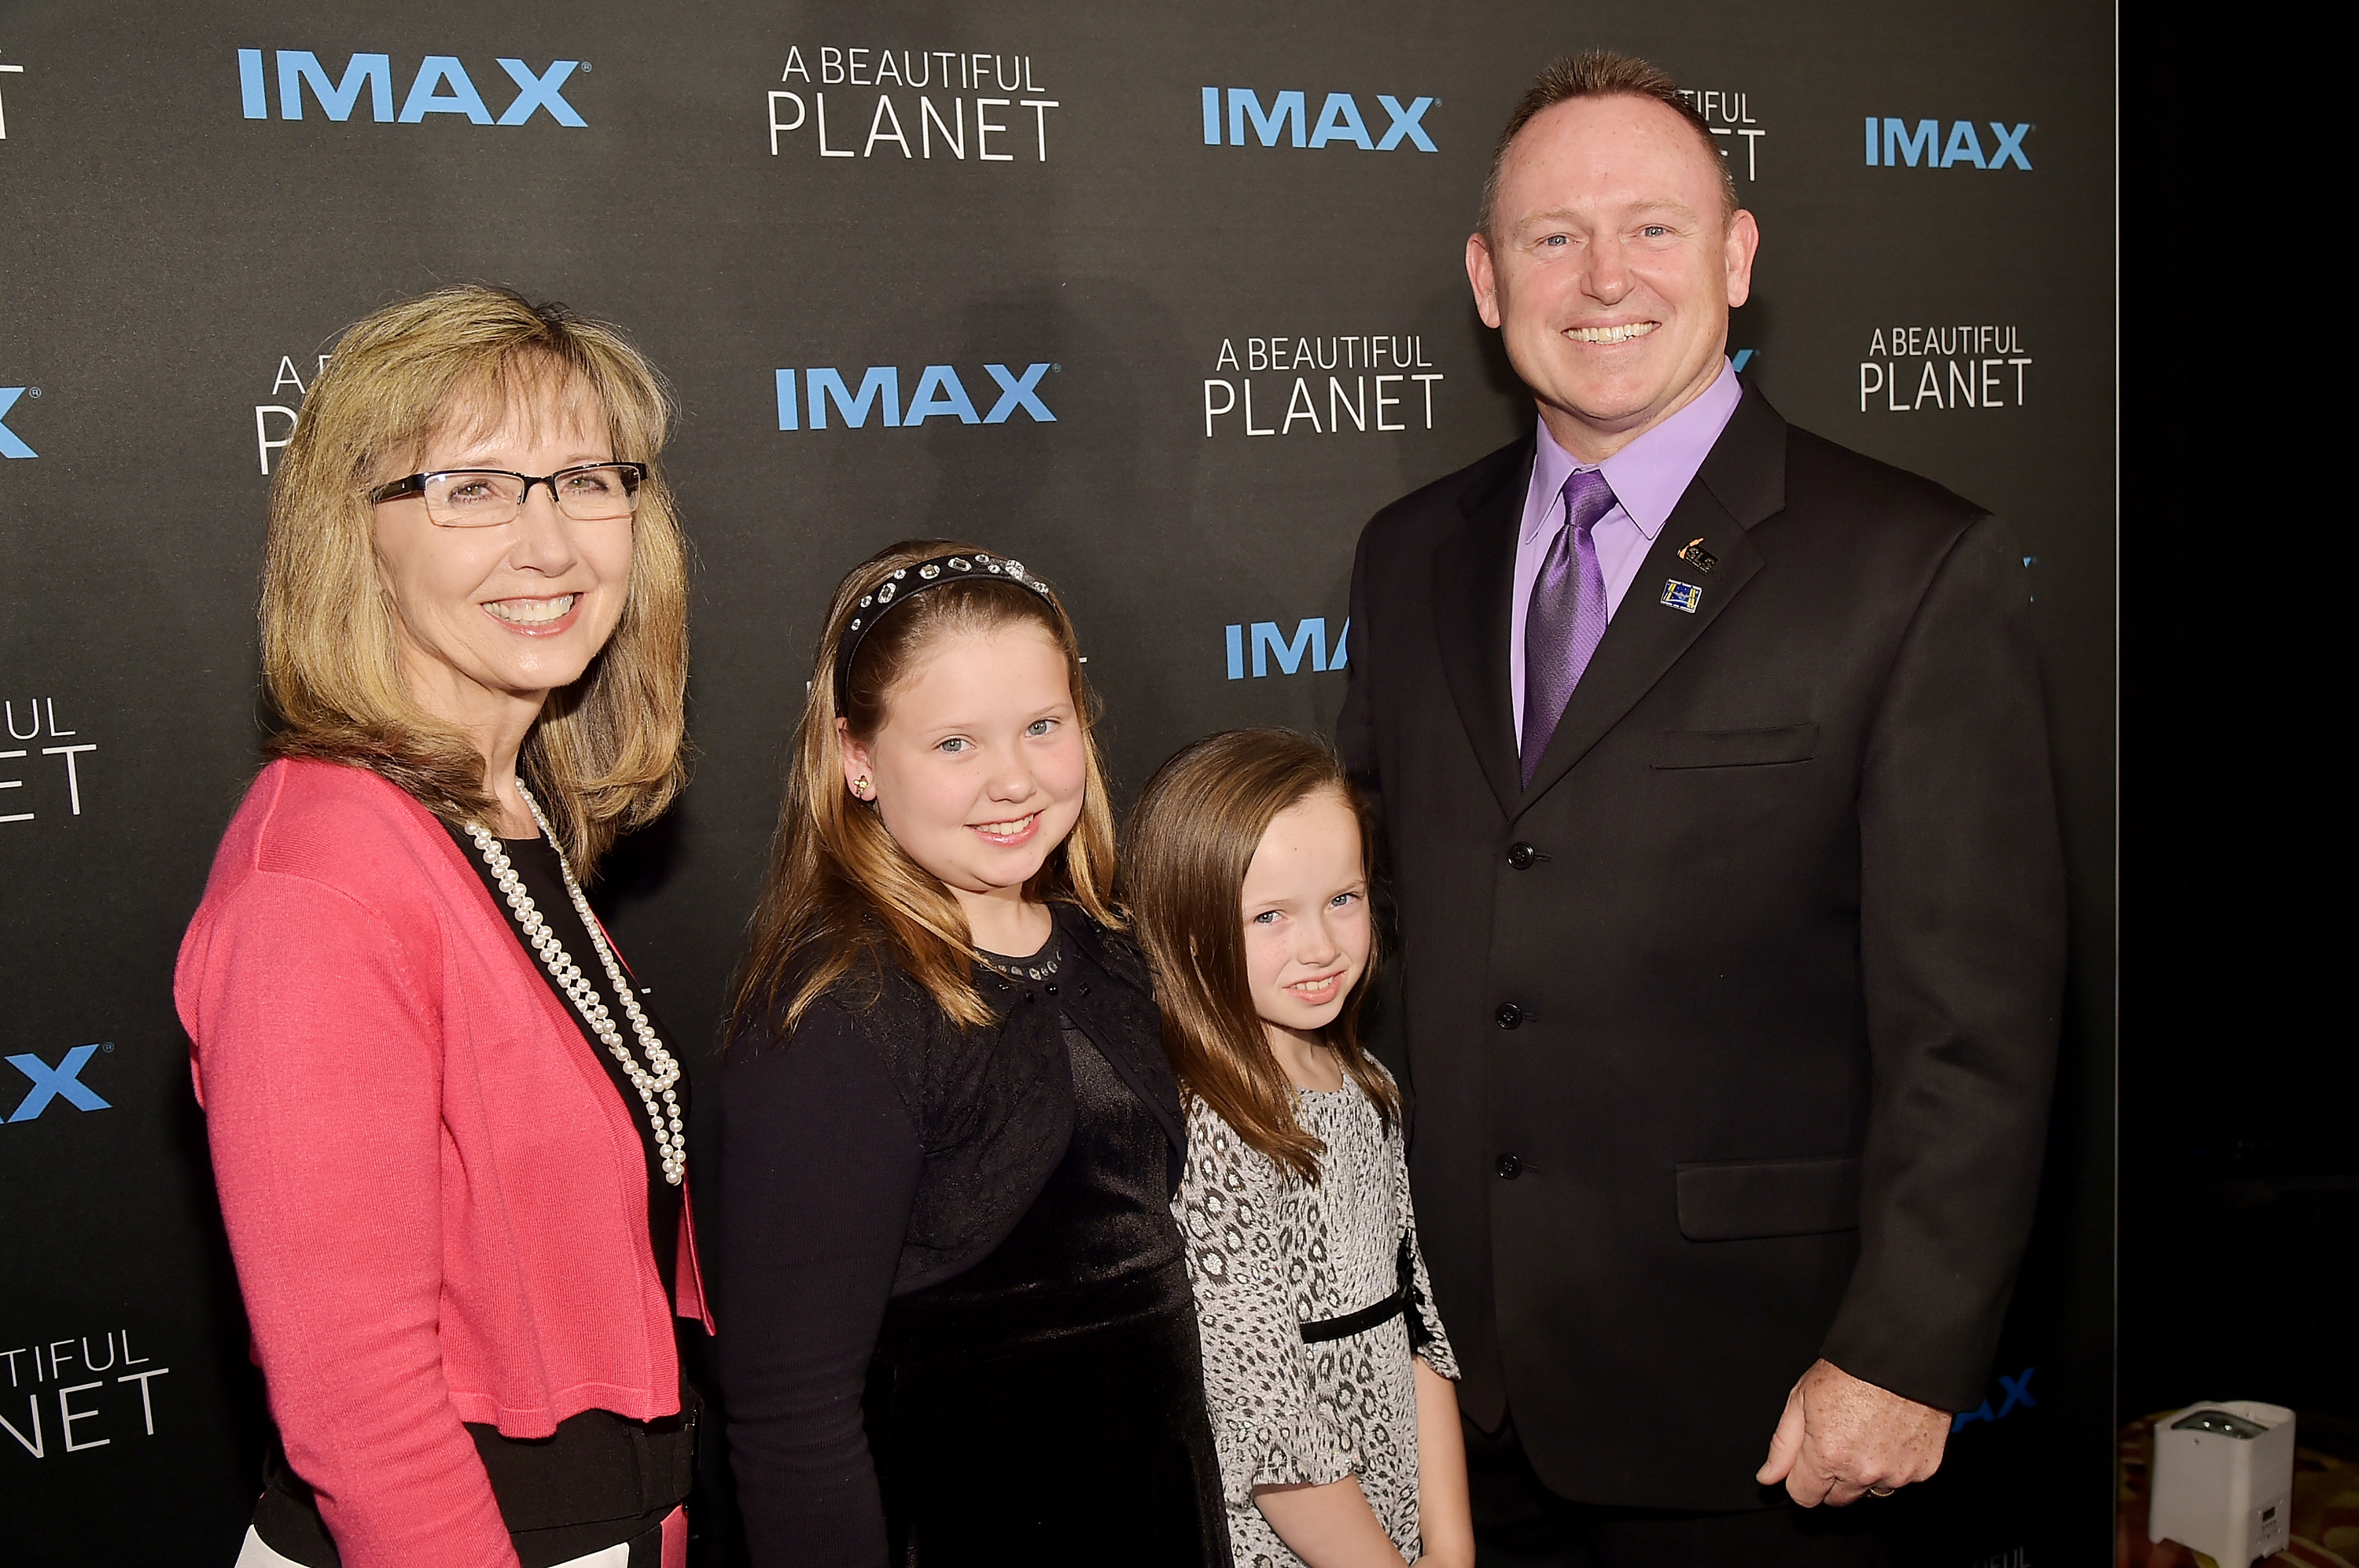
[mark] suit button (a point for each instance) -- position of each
(1508, 1168)
(1521, 856)
(1051, 987)
(1508, 1015)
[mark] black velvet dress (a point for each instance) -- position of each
(956, 1325)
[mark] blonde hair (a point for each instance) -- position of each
(607, 752)
(841, 893)
(1192, 836)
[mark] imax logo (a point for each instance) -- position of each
(62, 1082)
(939, 394)
(2015, 1394)
(1340, 122)
(1268, 643)
(1904, 145)
(441, 87)
(11, 443)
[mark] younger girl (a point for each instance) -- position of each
(1326, 1369)
(959, 1327)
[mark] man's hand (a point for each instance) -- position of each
(1839, 1437)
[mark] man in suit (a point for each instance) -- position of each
(1716, 796)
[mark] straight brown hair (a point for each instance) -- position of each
(841, 894)
(607, 753)
(1192, 836)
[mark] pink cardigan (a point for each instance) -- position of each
(437, 1201)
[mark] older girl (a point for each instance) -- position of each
(1329, 1380)
(447, 1131)
(960, 1328)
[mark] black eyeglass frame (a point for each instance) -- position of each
(633, 475)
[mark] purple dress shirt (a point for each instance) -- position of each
(1649, 476)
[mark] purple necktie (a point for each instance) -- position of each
(1566, 615)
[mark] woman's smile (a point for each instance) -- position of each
(545, 616)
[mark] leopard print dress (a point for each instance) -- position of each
(1269, 1253)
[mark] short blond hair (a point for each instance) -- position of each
(1600, 73)
(607, 753)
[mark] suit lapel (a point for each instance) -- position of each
(1473, 587)
(1742, 481)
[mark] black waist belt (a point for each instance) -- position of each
(1350, 1324)
(1402, 1301)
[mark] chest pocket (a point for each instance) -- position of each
(1735, 748)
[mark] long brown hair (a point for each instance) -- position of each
(841, 893)
(607, 751)
(1192, 836)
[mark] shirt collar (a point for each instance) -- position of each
(1652, 472)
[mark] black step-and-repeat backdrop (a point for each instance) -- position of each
(1164, 299)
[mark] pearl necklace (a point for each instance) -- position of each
(671, 1138)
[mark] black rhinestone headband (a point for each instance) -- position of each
(907, 582)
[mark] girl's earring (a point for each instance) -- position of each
(862, 788)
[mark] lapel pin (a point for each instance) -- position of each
(1695, 555)
(1682, 595)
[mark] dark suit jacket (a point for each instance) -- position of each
(1730, 1038)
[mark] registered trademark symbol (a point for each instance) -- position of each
(1058, 368)
(34, 392)
(108, 1047)
(585, 65)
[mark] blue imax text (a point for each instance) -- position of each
(1340, 122)
(1309, 641)
(441, 87)
(939, 394)
(1904, 144)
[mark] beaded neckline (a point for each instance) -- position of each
(1041, 965)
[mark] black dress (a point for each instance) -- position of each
(956, 1325)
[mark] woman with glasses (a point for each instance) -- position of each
(448, 1132)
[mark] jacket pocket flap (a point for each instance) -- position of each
(1734, 1201)
(1735, 748)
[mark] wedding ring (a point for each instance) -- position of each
(1879, 1491)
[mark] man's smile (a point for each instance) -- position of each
(1624, 333)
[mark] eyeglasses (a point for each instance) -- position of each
(485, 497)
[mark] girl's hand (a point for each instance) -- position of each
(1445, 1517)
(1329, 1526)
